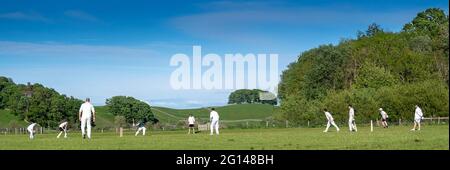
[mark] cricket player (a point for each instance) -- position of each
(31, 130)
(330, 121)
(141, 126)
(384, 117)
(351, 119)
(418, 116)
(214, 118)
(191, 121)
(63, 128)
(86, 115)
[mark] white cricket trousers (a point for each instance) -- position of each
(215, 125)
(31, 133)
(331, 123)
(65, 133)
(139, 129)
(352, 125)
(86, 123)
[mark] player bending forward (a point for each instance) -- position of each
(31, 130)
(63, 128)
(330, 121)
(418, 116)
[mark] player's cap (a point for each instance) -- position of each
(380, 109)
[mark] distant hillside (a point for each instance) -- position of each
(7, 119)
(227, 113)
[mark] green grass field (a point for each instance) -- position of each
(397, 138)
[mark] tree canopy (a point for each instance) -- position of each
(130, 108)
(36, 103)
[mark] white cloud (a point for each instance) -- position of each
(61, 50)
(29, 16)
(81, 15)
(262, 24)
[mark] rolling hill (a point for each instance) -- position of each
(7, 120)
(227, 113)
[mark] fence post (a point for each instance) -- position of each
(267, 124)
(399, 121)
(121, 131)
(439, 120)
(247, 124)
(371, 126)
(308, 123)
(287, 123)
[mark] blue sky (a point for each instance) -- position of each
(100, 49)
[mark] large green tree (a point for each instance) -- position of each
(130, 108)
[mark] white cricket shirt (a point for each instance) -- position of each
(214, 115)
(329, 117)
(191, 120)
(62, 125)
(87, 109)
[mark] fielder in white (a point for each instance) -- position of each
(141, 126)
(330, 121)
(87, 112)
(63, 128)
(191, 122)
(418, 116)
(384, 117)
(351, 119)
(214, 118)
(31, 130)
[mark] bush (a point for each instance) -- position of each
(398, 101)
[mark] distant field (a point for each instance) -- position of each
(397, 137)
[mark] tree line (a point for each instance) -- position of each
(247, 96)
(36, 103)
(47, 107)
(392, 70)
